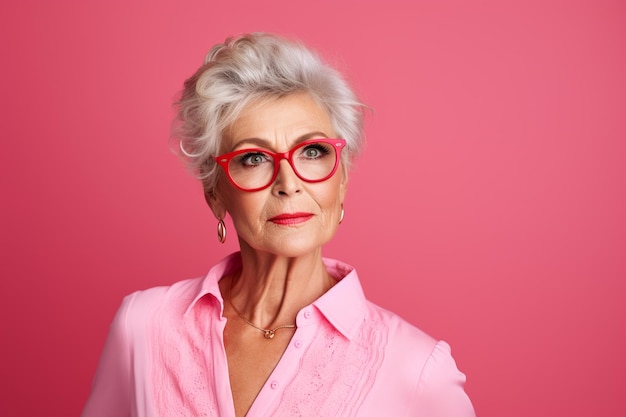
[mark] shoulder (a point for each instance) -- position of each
(185, 293)
(186, 290)
(420, 367)
(406, 348)
(402, 336)
(148, 304)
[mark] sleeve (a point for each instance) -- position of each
(440, 390)
(111, 388)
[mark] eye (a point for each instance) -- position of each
(312, 153)
(253, 159)
(315, 151)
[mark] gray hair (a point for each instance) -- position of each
(255, 67)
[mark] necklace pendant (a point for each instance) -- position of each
(269, 334)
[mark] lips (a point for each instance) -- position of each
(291, 218)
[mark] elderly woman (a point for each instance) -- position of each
(275, 329)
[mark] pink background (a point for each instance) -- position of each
(489, 207)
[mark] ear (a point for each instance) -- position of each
(344, 183)
(215, 202)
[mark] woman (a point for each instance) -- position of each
(274, 330)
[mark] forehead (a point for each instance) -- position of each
(280, 121)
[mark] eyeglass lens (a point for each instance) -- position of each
(311, 162)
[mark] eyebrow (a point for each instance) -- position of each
(266, 144)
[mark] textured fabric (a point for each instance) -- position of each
(164, 356)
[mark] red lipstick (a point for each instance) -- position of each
(291, 218)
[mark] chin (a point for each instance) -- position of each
(296, 249)
(293, 246)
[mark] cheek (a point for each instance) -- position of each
(246, 209)
(331, 197)
(243, 207)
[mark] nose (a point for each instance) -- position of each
(286, 182)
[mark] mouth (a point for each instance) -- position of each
(291, 218)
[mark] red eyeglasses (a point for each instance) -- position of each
(254, 169)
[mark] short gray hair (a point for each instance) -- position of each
(255, 67)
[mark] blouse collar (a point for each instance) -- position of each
(344, 305)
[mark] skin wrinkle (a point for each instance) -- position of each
(265, 144)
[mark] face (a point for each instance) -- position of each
(291, 217)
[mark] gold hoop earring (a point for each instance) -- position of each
(221, 231)
(341, 216)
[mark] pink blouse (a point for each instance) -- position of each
(164, 356)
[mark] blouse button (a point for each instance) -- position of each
(298, 344)
(274, 384)
(307, 314)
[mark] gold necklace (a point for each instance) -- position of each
(267, 333)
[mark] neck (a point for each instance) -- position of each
(269, 290)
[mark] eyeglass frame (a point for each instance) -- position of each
(224, 160)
